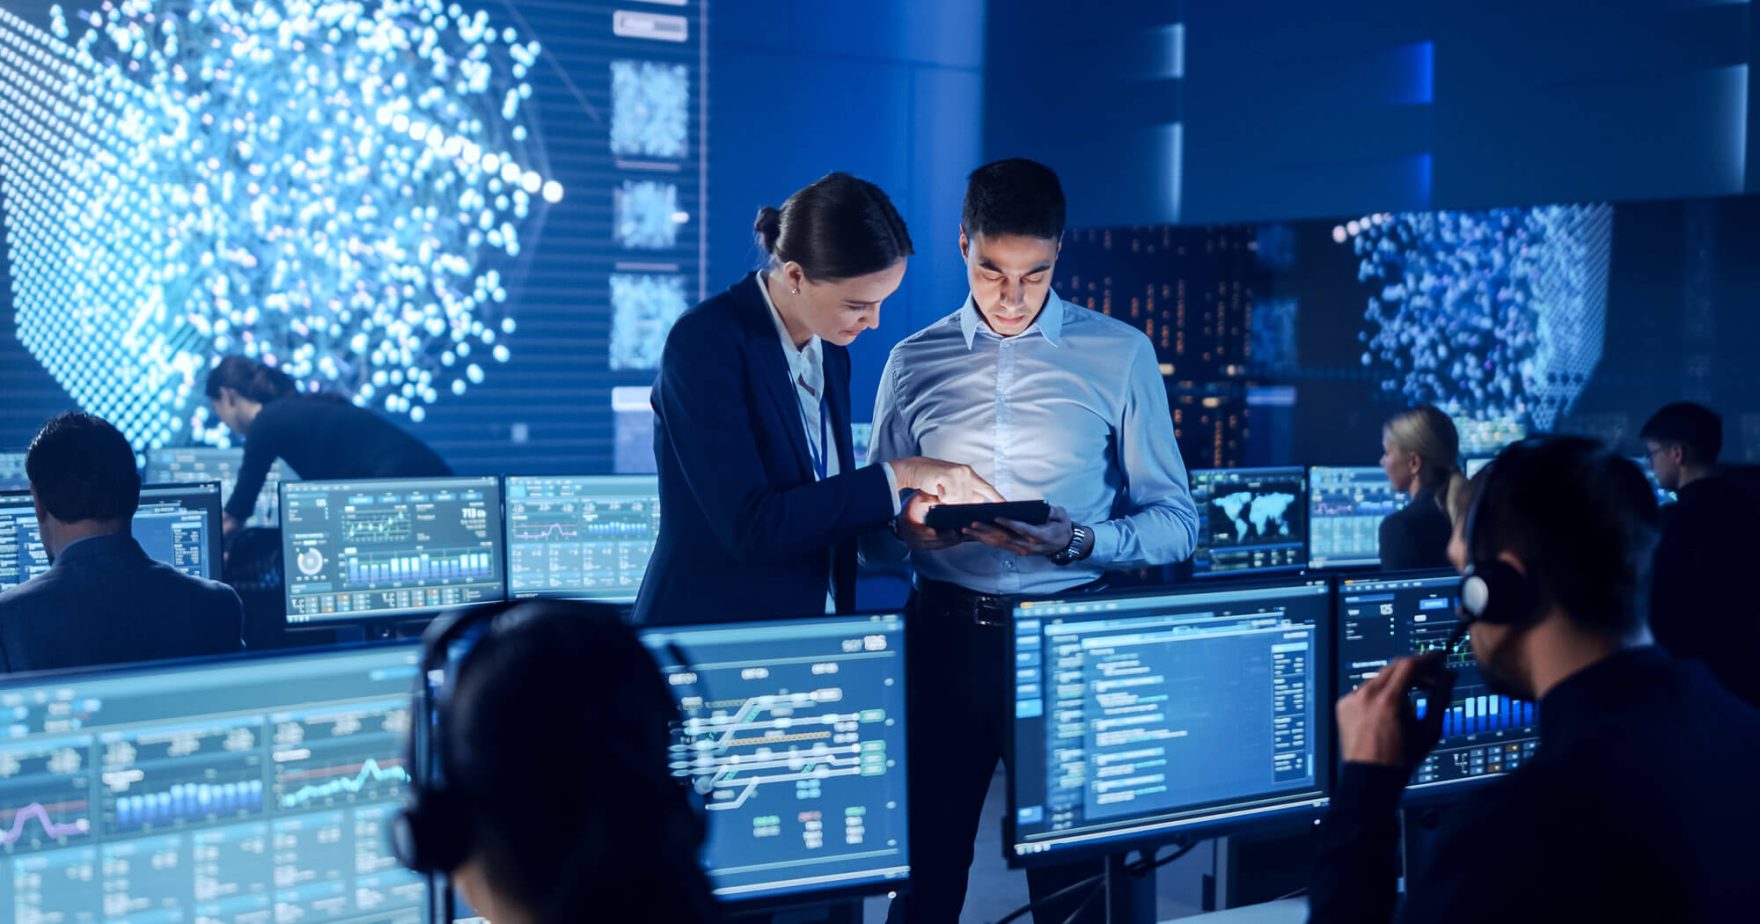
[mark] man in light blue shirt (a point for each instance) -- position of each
(1043, 399)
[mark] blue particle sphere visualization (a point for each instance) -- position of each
(338, 188)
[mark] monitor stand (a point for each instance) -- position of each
(1129, 893)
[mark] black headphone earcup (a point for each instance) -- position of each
(430, 835)
(1496, 592)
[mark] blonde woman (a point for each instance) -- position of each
(1421, 456)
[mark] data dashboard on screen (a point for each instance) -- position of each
(367, 549)
(1142, 718)
(248, 789)
(212, 463)
(1345, 510)
(586, 537)
(1250, 520)
(794, 731)
(1484, 732)
(179, 524)
(175, 524)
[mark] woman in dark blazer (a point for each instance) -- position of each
(760, 493)
(1421, 450)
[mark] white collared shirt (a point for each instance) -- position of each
(806, 369)
(1072, 410)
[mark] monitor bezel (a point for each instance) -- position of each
(215, 560)
(809, 897)
(1415, 793)
(507, 543)
(1303, 553)
(1282, 813)
(384, 617)
(1339, 565)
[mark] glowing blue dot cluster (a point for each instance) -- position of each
(650, 109)
(334, 187)
(1493, 315)
(643, 308)
(647, 215)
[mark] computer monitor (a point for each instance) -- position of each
(1345, 510)
(212, 463)
(1250, 520)
(357, 550)
(12, 474)
(239, 789)
(1383, 618)
(1140, 719)
(585, 537)
(179, 524)
(795, 732)
(176, 524)
(22, 553)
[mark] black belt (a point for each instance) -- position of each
(984, 609)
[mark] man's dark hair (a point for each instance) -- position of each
(82, 468)
(559, 742)
(1584, 522)
(1694, 427)
(1014, 196)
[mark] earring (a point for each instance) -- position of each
(795, 291)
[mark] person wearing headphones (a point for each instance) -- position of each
(540, 779)
(752, 435)
(1639, 805)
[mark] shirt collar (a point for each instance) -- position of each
(797, 356)
(96, 545)
(1048, 324)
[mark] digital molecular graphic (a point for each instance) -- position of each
(337, 187)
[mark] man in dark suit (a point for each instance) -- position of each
(103, 601)
(1701, 601)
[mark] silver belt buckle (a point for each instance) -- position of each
(984, 613)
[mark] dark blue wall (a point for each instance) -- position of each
(1285, 109)
(891, 92)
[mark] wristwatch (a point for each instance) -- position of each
(1081, 543)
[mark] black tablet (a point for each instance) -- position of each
(959, 516)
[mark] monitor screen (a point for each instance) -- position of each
(1381, 619)
(394, 547)
(1250, 520)
(211, 463)
(795, 732)
(587, 537)
(22, 554)
(1140, 718)
(179, 524)
(254, 789)
(12, 474)
(176, 524)
(1345, 510)
(1474, 465)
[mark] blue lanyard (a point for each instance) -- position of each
(817, 453)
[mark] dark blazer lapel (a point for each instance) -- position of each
(771, 367)
(837, 401)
